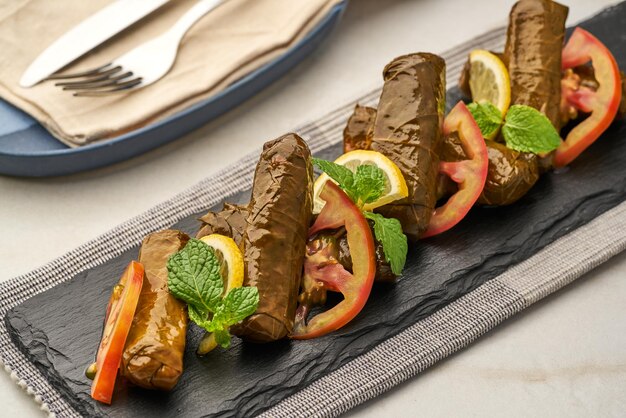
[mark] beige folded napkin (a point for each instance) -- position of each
(224, 45)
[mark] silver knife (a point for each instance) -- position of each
(87, 35)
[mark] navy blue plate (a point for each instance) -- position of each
(27, 149)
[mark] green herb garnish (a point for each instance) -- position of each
(194, 276)
(487, 117)
(388, 232)
(528, 130)
(365, 185)
(524, 128)
(369, 184)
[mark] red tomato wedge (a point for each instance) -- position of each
(119, 318)
(470, 175)
(602, 104)
(356, 286)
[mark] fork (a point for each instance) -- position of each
(140, 66)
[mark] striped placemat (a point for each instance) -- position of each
(395, 360)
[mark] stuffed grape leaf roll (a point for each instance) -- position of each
(408, 130)
(533, 55)
(278, 220)
(153, 354)
(230, 221)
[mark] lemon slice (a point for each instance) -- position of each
(232, 272)
(232, 259)
(489, 79)
(395, 185)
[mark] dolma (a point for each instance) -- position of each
(275, 236)
(230, 221)
(153, 354)
(359, 129)
(407, 129)
(533, 55)
(511, 174)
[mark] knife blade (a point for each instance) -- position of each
(87, 35)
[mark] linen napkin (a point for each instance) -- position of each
(226, 44)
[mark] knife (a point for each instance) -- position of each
(87, 35)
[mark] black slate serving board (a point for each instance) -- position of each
(58, 330)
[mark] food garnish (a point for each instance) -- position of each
(232, 272)
(119, 317)
(470, 174)
(369, 178)
(488, 117)
(524, 128)
(368, 184)
(602, 104)
(489, 80)
(388, 232)
(528, 130)
(339, 211)
(194, 276)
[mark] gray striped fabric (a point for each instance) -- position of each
(390, 363)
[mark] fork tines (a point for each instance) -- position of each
(100, 81)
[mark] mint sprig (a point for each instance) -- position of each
(369, 184)
(524, 128)
(194, 276)
(362, 186)
(528, 130)
(388, 232)
(487, 117)
(365, 185)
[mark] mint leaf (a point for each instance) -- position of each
(487, 117)
(194, 276)
(365, 185)
(198, 316)
(238, 304)
(388, 232)
(528, 130)
(369, 183)
(343, 176)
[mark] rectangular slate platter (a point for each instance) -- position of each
(58, 330)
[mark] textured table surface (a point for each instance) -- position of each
(566, 356)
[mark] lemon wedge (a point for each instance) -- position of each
(232, 272)
(230, 255)
(395, 185)
(489, 80)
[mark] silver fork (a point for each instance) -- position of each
(140, 66)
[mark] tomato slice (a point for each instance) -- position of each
(119, 318)
(322, 274)
(602, 103)
(470, 175)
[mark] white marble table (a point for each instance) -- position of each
(566, 356)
